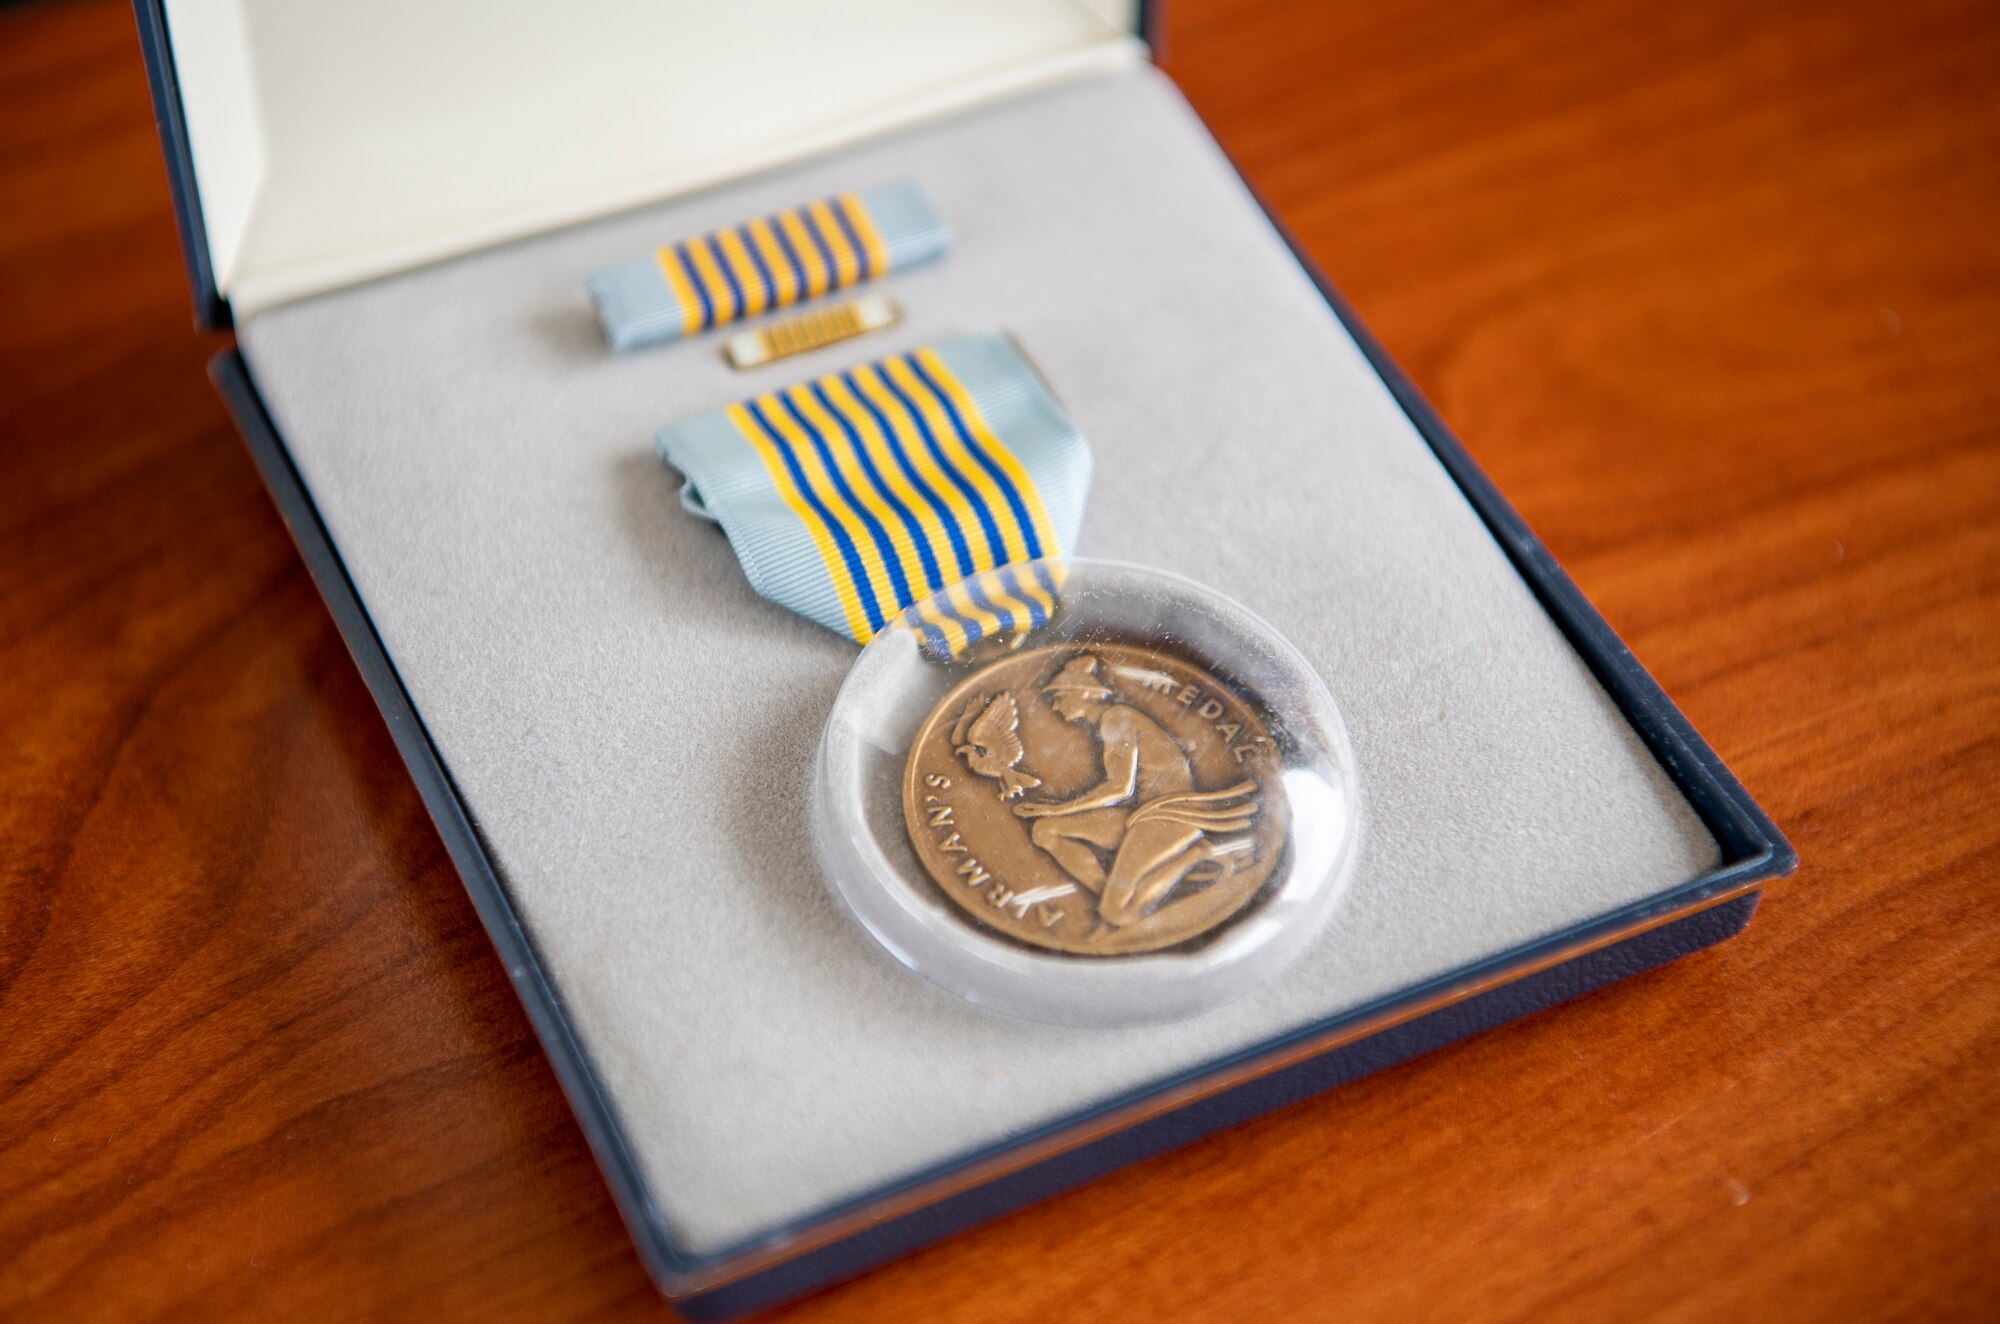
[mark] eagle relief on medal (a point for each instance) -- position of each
(1099, 800)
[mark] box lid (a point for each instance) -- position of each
(311, 146)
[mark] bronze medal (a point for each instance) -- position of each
(1097, 800)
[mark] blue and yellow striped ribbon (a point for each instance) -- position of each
(945, 479)
(772, 262)
(1018, 597)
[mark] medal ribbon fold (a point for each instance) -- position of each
(946, 477)
(772, 262)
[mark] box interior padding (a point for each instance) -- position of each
(632, 729)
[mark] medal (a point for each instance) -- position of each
(1133, 804)
(1069, 790)
(1096, 801)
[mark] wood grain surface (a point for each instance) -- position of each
(1713, 290)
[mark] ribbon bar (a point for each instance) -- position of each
(772, 262)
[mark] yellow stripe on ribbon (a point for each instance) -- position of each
(822, 536)
(904, 425)
(872, 246)
(876, 389)
(948, 611)
(882, 448)
(823, 485)
(959, 598)
(882, 451)
(745, 271)
(711, 278)
(683, 287)
(819, 278)
(932, 409)
(1032, 589)
(1003, 455)
(759, 265)
(872, 499)
(846, 262)
(894, 491)
(1016, 588)
(944, 612)
(789, 290)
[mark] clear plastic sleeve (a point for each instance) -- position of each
(1087, 793)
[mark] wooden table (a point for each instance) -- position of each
(1713, 290)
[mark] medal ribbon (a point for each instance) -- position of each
(946, 477)
(772, 262)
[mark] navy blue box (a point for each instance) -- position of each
(888, 1222)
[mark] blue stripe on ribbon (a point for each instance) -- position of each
(994, 542)
(1037, 615)
(799, 285)
(933, 636)
(934, 579)
(819, 242)
(848, 555)
(946, 515)
(757, 261)
(728, 276)
(694, 279)
(986, 462)
(976, 590)
(885, 547)
(939, 646)
(846, 223)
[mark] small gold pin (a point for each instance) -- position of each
(810, 331)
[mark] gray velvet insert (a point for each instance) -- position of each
(632, 727)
